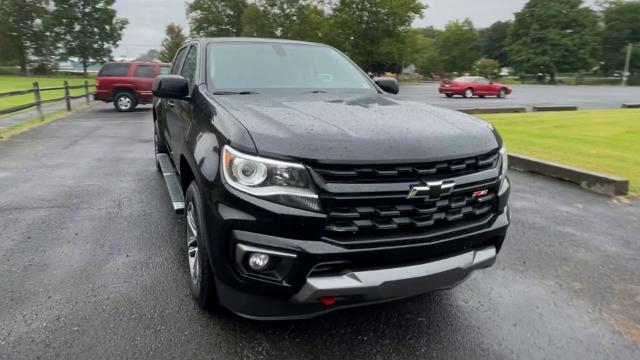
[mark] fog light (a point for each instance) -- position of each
(258, 261)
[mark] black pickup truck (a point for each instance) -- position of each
(305, 188)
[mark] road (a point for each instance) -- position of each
(585, 97)
(92, 267)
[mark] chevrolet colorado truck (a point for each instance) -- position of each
(306, 187)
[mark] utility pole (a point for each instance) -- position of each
(627, 63)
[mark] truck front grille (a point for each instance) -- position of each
(381, 220)
(405, 173)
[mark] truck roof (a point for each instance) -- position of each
(254, 40)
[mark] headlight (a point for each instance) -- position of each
(504, 160)
(279, 181)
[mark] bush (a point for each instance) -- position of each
(488, 68)
(41, 69)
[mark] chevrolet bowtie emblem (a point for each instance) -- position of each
(431, 190)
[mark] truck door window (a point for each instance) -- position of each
(189, 67)
(175, 68)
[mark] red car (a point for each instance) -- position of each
(128, 84)
(470, 86)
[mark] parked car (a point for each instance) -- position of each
(305, 188)
(128, 84)
(470, 86)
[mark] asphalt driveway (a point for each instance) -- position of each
(92, 266)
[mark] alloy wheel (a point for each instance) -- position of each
(192, 243)
(124, 102)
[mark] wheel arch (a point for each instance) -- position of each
(120, 89)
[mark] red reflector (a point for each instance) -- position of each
(480, 193)
(328, 300)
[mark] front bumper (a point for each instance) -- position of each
(362, 276)
(392, 283)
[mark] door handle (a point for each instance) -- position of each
(170, 103)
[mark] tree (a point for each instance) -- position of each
(173, 40)
(86, 29)
(488, 68)
(290, 19)
(216, 17)
(621, 26)
(430, 32)
(457, 44)
(412, 47)
(256, 23)
(551, 36)
(363, 28)
(21, 31)
(150, 55)
(493, 41)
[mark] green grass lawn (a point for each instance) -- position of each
(12, 83)
(604, 141)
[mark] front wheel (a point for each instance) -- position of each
(202, 284)
(468, 93)
(502, 93)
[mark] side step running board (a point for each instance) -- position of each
(172, 181)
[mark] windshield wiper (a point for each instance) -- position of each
(234, 92)
(316, 92)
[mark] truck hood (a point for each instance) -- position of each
(339, 128)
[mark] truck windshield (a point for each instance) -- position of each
(260, 66)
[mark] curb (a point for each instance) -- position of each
(598, 183)
(631, 106)
(555, 108)
(494, 110)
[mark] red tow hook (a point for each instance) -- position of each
(328, 300)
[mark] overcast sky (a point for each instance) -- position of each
(148, 18)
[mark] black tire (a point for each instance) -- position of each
(502, 93)
(201, 278)
(158, 144)
(124, 101)
(449, 95)
(468, 93)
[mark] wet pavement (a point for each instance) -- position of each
(93, 266)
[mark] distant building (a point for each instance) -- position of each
(73, 65)
(506, 71)
(411, 69)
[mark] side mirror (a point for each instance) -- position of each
(171, 86)
(389, 85)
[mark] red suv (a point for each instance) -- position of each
(128, 84)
